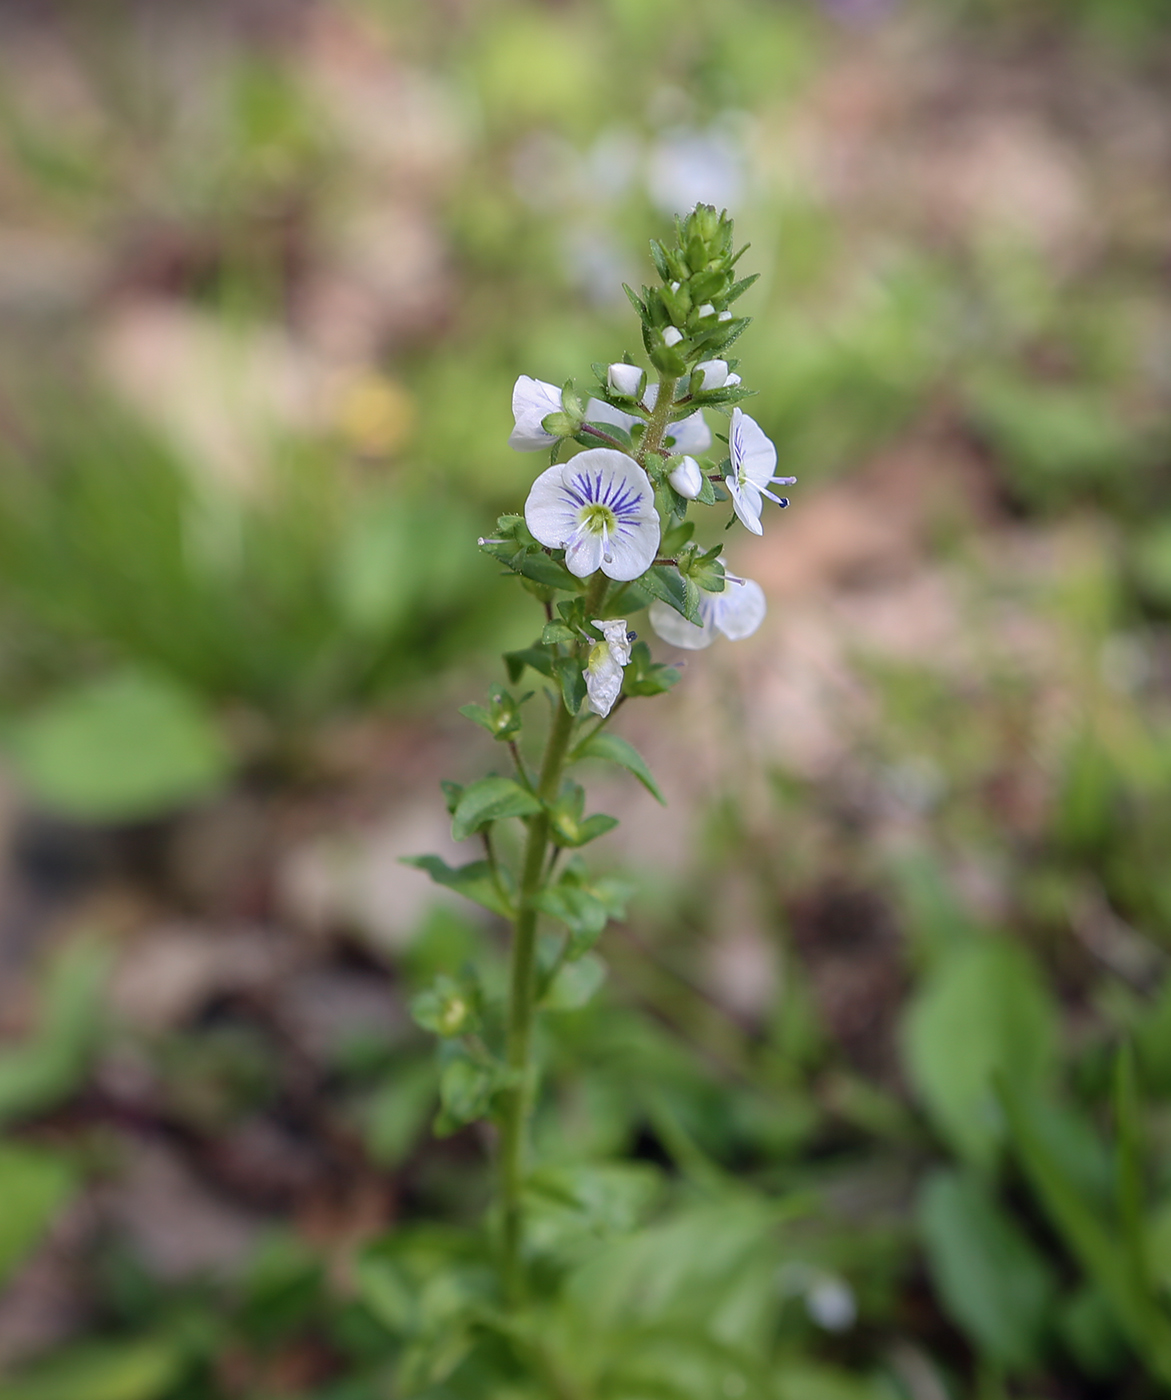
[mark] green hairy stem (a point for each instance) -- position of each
(522, 982)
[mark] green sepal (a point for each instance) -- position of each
(571, 678)
(565, 818)
(659, 258)
(494, 890)
(448, 1008)
(614, 749)
(704, 568)
(537, 657)
(707, 495)
(638, 304)
(644, 676)
(665, 582)
(739, 288)
(488, 800)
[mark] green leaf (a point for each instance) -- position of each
(557, 632)
(536, 657)
(664, 581)
(141, 1370)
(582, 913)
(575, 984)
(566, 1205)
(126, 747)
(34, 1186)
(993, 1280)
(984, 1010)
(572, 678)
(394, 1117)
(49, 1066)
(465, 1093)
(489, 800)
(614, 749)
(474, 881)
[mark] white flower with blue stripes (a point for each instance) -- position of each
(750, 474)
(599, 508)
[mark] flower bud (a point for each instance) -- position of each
(687, 478)
(672, 335)
(713, 374)
(625, 380)
(724, 316)
(707, 309)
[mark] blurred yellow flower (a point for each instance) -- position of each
(375, 415)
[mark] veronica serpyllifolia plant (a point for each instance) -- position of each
(604, 534)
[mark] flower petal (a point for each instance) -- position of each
(739, 610)
(746, 503)
(753, 455)
(603, 686)
(677, 630)
(584, 552)
(599, 411)
(551, 509)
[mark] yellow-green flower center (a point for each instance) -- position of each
(597, 519)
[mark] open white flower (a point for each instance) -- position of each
(753, 458)
(599, 508)
(603, 672)
(736, 613)
(532, 401)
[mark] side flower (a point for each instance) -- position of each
(532, 402)
(735, 613)
(599, 508)
(603, 672)
(753, 460)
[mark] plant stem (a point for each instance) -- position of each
(522, 981)
(652, 439)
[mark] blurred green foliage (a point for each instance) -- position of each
(996, 1204)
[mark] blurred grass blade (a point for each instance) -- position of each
(1092, 1241)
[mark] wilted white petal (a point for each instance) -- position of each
(603, 672)
(532, 401)
(625, 380)
(687, 478)
(599, 508)
(617, 638)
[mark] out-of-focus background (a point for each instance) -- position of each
(268, 270)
